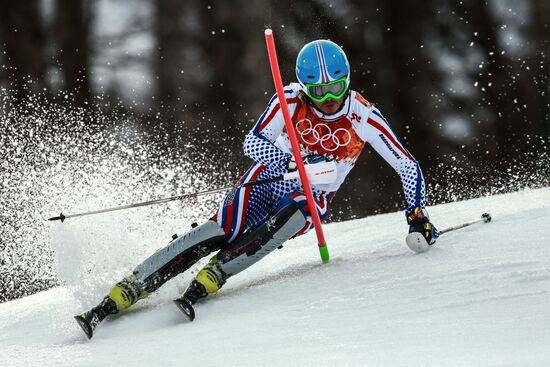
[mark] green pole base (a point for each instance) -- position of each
(323, 250)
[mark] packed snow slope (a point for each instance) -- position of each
(480, 297)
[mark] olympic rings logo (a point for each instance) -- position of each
(323, 134)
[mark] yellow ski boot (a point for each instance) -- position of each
(209, 280)
(121, 296)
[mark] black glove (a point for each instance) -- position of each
(308, 159)
(419, 221)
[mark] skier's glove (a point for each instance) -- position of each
(308, 159)
(419, 221)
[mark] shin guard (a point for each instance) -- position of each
(180, 255)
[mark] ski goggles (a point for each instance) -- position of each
(335, 89)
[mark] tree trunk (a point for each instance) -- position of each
(169, 58)
(72, 25)
(23, 41)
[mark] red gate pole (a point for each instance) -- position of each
(323, 250)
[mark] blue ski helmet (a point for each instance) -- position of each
(322, 70)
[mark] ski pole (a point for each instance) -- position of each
(62, 217)
(485, 217)
(319, 173)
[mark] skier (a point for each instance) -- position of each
(332, 122)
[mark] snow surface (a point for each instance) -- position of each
(480, 297)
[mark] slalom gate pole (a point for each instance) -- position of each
(62, 217)
(485, 217)
(323, 249)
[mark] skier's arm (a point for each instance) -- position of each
(378, 133)
(258, 143)
(386, 143)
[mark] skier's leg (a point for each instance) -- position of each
(166, 263)
(248, 208)
(291, 218)
(245, 251)
(183, 252)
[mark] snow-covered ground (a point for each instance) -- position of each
(481, 297)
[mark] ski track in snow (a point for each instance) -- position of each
(480, 297)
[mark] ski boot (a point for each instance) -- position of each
(89, 320)
(209, 280)
(121, 296)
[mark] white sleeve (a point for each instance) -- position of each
(376, 131)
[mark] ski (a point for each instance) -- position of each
(186, 308)
(87, 326)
